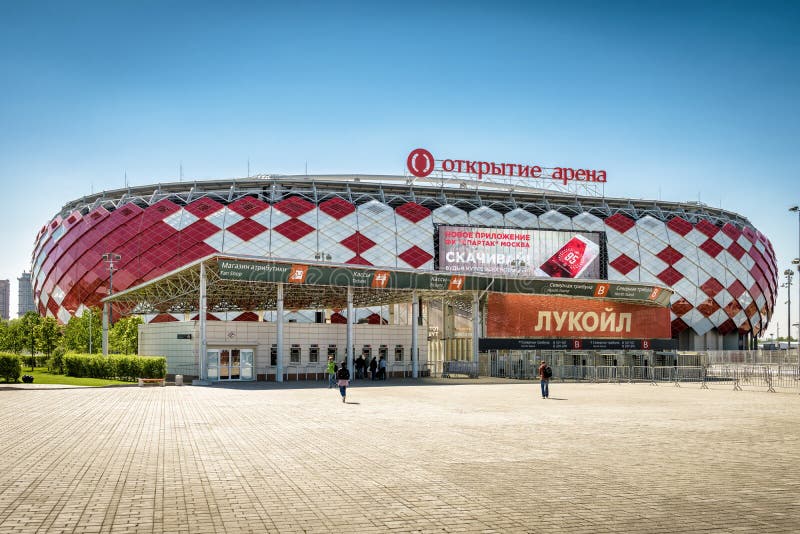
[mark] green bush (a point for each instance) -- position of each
(55, 363)
(115, 366)
(10, 367)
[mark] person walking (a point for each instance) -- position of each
(343, 380)
(331, 372)
(544, 376)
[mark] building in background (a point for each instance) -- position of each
(25, 295)
(5, 295)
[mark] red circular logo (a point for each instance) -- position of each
(420, 162)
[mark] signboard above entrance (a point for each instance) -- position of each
(344, 276)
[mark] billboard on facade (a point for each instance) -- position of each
(539, 316)
(520, 252)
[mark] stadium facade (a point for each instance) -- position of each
(721, 268)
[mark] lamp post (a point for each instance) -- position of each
(788, 285)
(796, 261)
(109, 258)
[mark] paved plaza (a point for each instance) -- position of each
(461, 456)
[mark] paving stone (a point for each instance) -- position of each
(430, 456)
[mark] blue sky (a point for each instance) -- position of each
(683, 101)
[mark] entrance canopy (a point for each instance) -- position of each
(251, 283)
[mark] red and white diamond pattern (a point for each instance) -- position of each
(724, 278)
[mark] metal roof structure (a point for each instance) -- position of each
(179, 291)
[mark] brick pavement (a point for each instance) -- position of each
(463, 457)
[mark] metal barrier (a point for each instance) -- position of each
(460, 367)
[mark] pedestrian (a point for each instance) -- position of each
(382, 367)
(373, 367)
(331, 372)
(544, 376)
(343, 380)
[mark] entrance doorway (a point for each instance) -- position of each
(227, 364)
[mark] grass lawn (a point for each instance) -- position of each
(41, 376)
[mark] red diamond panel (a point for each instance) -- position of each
(198, 231)
(679, 226)
(158, 212)
(163, 318)
(755, 291)
(711, 247)
(623, 264)
(620, 223)
(678, 326)
(750, 234)
(203, 207)
(669, 276)
(707, 228)
(248, 206)
(751, 309)
(736, 250)
(247, 316)
(246, 229)
(708, 307)
(669, 255)
(727, 327)
(413, 211)
(337, 208)
(294, 229)
(731, 231)
(294, 206)
(682, 306)
(711, 287)
(736, 289)
(733, 308)
(358, 260)
(358, 243)
(415, 256)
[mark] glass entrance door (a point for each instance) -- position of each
(230, 364)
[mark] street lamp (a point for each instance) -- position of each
(109, 258)
(788, 285)
(796, 261)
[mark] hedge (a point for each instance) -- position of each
(10, 366)
(115, 366)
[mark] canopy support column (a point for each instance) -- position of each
(476, 325)
(279, 352)
(203, 345)
(414, 335)
(349, 349)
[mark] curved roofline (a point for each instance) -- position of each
(437, 186)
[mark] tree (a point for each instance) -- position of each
(13, 338)
(48, 335)
(30, 324)
(76, 332)
(123, 338)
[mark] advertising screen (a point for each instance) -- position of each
(517, 252)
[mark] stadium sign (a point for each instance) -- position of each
(421, 163)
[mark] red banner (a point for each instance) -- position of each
(545, 316)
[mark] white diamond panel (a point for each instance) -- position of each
(588, 222)
(449, 214)
(554, 220)
(485, 216)
(520, 218)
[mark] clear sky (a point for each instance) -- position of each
(682, 101)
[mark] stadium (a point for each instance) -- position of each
(454, 216)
